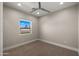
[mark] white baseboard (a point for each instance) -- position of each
(64, 46)
(20, 44)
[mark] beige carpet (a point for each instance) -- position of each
(39, 48)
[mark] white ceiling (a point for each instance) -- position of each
(27, 6)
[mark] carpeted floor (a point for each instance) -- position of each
(39, 48)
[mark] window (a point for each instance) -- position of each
(25, 26)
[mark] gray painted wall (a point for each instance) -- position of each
(11, 33)
(1, 28)
(60, 27)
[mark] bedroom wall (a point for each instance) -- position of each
(11, 34)
(1, 8)
(60, 27)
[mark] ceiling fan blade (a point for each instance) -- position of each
(39, 5)
(45, 10)
(34, 9)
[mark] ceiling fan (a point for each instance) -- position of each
(39, 8)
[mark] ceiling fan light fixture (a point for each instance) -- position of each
(37, 12)
(19, 4)
(61, 3)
